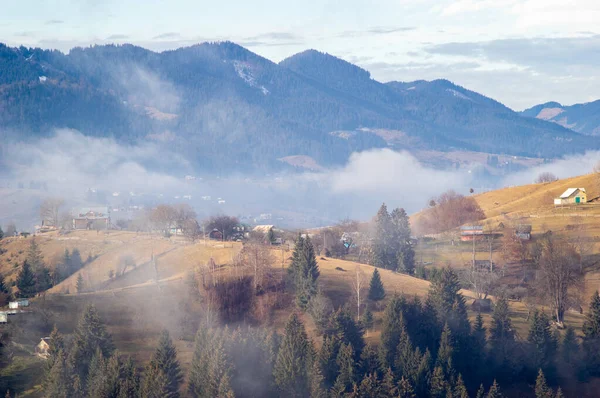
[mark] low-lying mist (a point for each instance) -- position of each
(88, 171)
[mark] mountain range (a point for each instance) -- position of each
(582, 118)
(224, 108)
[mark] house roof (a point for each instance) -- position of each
(91, 212)
(569, 192)
(263, 228)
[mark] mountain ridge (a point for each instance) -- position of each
(226, 108)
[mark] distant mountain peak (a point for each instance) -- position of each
(312, 62)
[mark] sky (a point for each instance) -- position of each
(520, 52)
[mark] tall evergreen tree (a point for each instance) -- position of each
(56, 344)
(347, 330)
(76, 262)
(591, 337)
(446, 353)
(439, 385)
(26, 281)
(376, 289)
(392, 326)
(80, 284)
(480, 392)
(317, 382)
(369, 360)
(34, 256)
(43, 280)
(89, 336)
(542, 341)
(304, 271)
(155, 383)
(347, 370)
(4, 289)
(96, 384)
(501, 332)
(423, 373)
(129, 383)
(384, 255)
(559, 393)
(541, 387)
(291, 366)
(403, 250)
(460, 391)
(388, 384)
(570, 347)
(59, 383)
(327, 358)
(405, 389)
(165, 360)
(494, 391)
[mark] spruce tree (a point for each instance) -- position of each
(559, 393)
(369, 360)
(388, 385)
(366, 320)
(165, 360)
(480, 392)
(129, 383)
(291, 366)
(376, 289)
(43, 280)
(392, 326)
(405, 389)
(304, 271)
(155, 384)
(439, 384)
(34, 256)
(369, 387)
(570, 347)
(317, 382)
(89, 336)
(542, 341)
(347, 369)
(3, 286)
(541, 387)
(80, 284)
(445, 353)
(96, 382)
(198, 385)
(58, 383)
(494, 391)
(403, 250)
(384, 255)
(423, 373)
(56, 344)
(460, 391)
(405, 364)
(327, 358)
(591, 337)
(26, 281)
(347, 330)
(501, 332)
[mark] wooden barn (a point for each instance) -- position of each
(572, 196)
(91, 218)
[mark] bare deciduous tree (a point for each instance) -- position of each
(49, 211)
(223, 224)
(545, 177)
(482, 281)
(559, 275)
(259, 259)
(164, 217)
(358, 286)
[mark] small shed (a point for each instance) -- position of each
(572, 196)
(523, 232)
(3, 317)
(41, 349)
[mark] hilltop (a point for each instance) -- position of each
(216, 103)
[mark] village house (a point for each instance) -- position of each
(13, 305)
(41, 349)
(469, 233)
(572, 196)
(91, 218)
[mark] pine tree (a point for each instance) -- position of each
(165, 360)
(317, 386)
(76, 262)
(34, 256)
(271, 236)
(43, 280)
(403, 250)
(388, 386)
(392, 326)
(405, 389)
(198, 383)
(384, 255)
(369, 360)
(225, 390)
(423, 373)
(541, 387)
(304, 271)
(449, 303)
(501, 331)
(58, 384)
(366, 320)
(56, 344)
(80, 284)
(405, 364)
(26, 281)
(347, 371)
(90, 335)
(3, 287)
(479, 333)
(129, 383)
(460, 391)
(290, 369)
(494, 391)
(97, 376)
(570, 347)
(480, 392)
(445, 353)
(559, 393)
(347, 330)
(327, 358)
(376, 289)
(439, 385)
(369, 387)
(542, 341)
(591, 337)
(155, 384)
